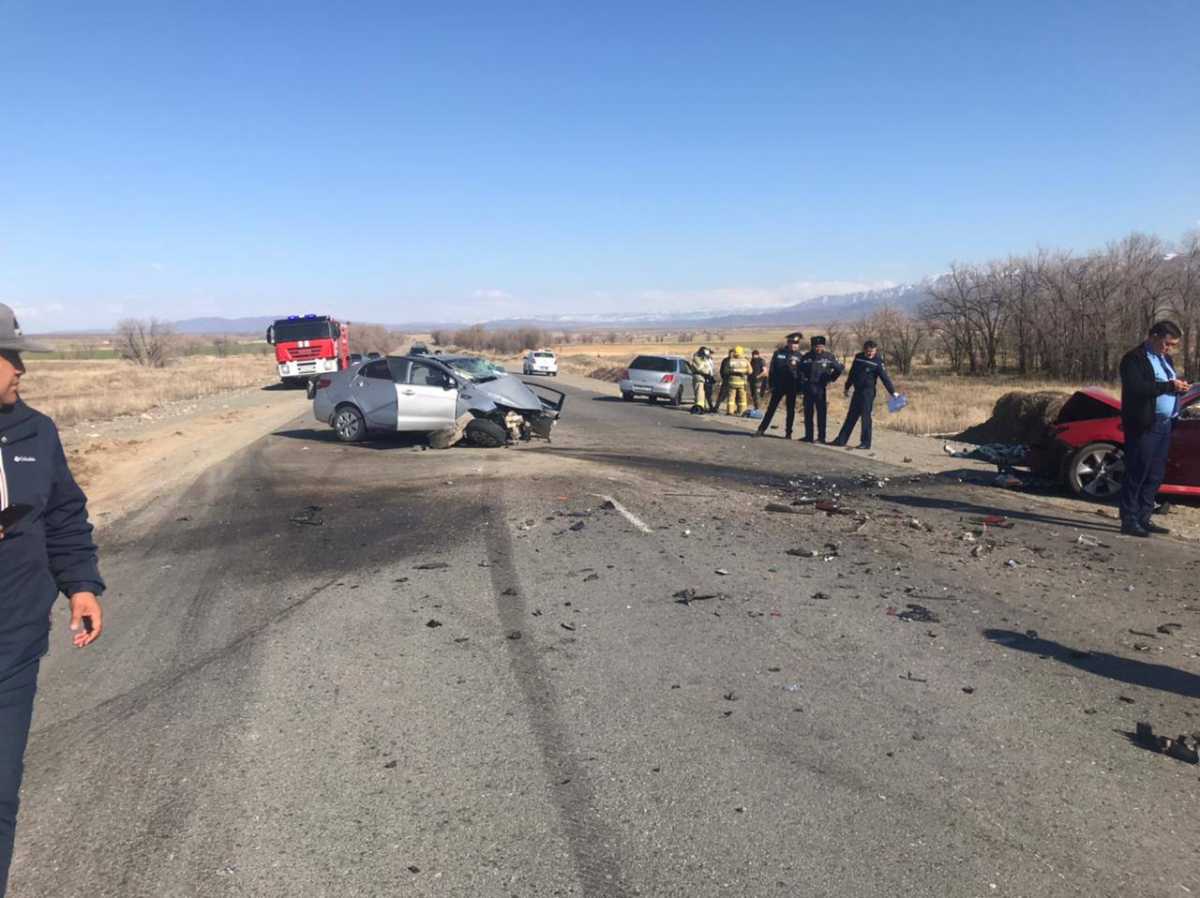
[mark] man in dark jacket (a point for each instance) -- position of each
(1149, 407)
(758, 368)
(818, 369)
(784, 379)
(864, 371)
(45, 548)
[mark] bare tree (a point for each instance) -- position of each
(150, 344)
(900, 337)
(366, 338)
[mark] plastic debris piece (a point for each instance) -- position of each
(919, 614)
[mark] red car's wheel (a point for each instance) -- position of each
(1095, 471)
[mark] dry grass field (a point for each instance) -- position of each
(97, 390)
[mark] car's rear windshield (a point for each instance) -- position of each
(652, 363)
(543, 355)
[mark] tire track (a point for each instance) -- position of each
(592, 842)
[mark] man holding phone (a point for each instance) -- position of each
(45, 548)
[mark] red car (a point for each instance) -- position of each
(1085, 446)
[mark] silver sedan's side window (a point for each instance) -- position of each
(399, 369)
(377, 369)
(427, 376)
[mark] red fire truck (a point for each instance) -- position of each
(309, 345)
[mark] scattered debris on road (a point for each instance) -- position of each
(779, 508)
(433, 623)
(914, 614)
(687, 596)
(1182, 748)
(310, 517)
(431, 566)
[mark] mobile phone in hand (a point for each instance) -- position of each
(11, 515)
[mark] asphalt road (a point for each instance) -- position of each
(375, 670)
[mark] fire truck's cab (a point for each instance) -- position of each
(307, 346)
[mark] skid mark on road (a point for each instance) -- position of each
(591, 841)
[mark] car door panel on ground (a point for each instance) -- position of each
(423, 400)
(375, 395)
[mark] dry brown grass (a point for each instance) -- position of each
(942, 404)
(75, 391)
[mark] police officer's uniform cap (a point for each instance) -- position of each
(818, 341)
(794, 337)
(11, 338)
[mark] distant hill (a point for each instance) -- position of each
(256, 326)
(818, 310)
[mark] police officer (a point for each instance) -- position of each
(739, 374)
(45, 548)
(702, 377)
(864, 371)
(818, 369)
(784, 379)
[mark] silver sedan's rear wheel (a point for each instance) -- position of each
(1096, 471)
(348, 424)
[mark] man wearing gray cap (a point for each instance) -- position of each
(45, 548)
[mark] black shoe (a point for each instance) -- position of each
(757, 433)
(838, 443)
(863, 446)
(1154, 528)
(788, 435)
(806, 440)
(1131, 528)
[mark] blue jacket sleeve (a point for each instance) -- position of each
(69, 544)
(887, 381)
(852, 378)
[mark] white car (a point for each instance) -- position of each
(540, 361)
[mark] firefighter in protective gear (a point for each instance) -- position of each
(703, 375)
(739, 383)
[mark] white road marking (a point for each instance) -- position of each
(625, 513)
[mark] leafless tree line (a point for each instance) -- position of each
(1061, 315)
(478, 338)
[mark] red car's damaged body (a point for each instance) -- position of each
(1085, 446)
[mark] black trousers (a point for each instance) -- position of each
(16, 712)
(860, 407)
(776, 397)
(815, 401)
(1145, 468)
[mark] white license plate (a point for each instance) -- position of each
(638, 389)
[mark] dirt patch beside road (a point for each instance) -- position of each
(124, 464)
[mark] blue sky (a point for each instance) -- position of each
(392, 161)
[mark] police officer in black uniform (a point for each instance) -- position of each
(818, 369)
(865, 370)
(784, 378)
